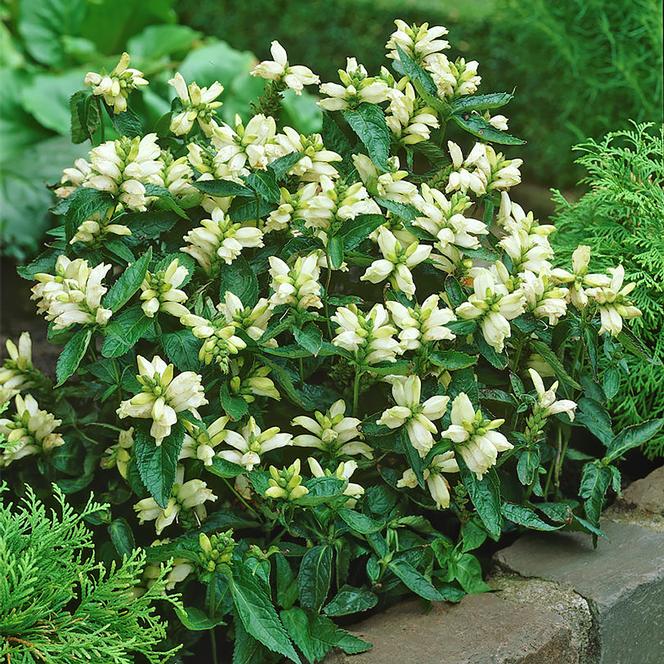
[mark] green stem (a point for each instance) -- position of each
(356, 390)
(213, 643)
(101, 120)
(240, 498)
(327, 292)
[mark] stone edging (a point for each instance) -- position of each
(556, 600)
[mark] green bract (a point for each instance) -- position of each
(326, 367)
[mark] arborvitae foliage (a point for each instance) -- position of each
(621, 218)
(57, 605)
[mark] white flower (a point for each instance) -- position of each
(419, 324)
(189, 495)
(396, 263)
(357, 87)
(253, 320)
(420, 42)
(17, 373)
(297, 286)
(418, 417)
(546, 399)
(493, 306)
(392, 184)
(116, 86)
(499, 122)
(198, 104)
(160, 291)
(409, 118)
(175, 175)
(344, 471)
(219, 239)
(31, 431)
(200, 442)
(437, 484)
(73, 295)
(251, 443)
(294, 77)
(528, 251)
(255, 383)
(614, 303)
(369, 336)
(163, 396)
(332, 432)
(72, 178)
(474, 437)
(219, 339)
(123, 167)
(444, 219)
(119, 455)
(454, 79)
(94, 229)
(543, 299)
(253, 145)
(580, 279)
(315, 162)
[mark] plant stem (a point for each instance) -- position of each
(240, 498)
(101, 120)
(213, 642)
(356, 390)
(327, 292)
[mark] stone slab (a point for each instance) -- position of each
(646, 494)
(481, 629)
(622, 580)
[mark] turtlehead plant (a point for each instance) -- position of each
(350, 332)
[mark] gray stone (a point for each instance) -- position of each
(646, 494)
(481, 629)
(622, 580)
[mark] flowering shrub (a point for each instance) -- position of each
(326, 367)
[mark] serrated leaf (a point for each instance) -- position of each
(310, 338)
(166, 199)
(240, 279)
(234, 405)
(157, 465)
(182, 348)
(83, 204)
(264, 183)
(487, 102)
(286, 585)
(414, 580)
(527, 466)
(478, 126)
(122, 536)
(353, 231)
(223, 468)
(368, 122)
(128, 283)
(351, 600)
(315, 576)
(360, 523)
(452, 360)
(72, 354)
(281, 166)
(632, 437)
(124, 330)
(485, 495)
(401, 210)
(592, 415)
(595, 481)
(258, 616)
(467, 570)
(552, 360)
(525, 516)
(223, 188)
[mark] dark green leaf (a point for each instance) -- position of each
(525, 516)
(487, 102)
(72, 354)
(414, 580)
(467, 571)
(166, 199)
(124, 330)
(239, 278)
(485, 494)
(553, 361)
(335, 250)
(351, 600)
(595, 482)
(632, 437)
(452, 360)
(310, 338)
(368, 122)
(83, 204)
(128, 283)
(121, 536)
(223, 468)
(197, 620)
(281, 166)
(360, 523)
(264, 183)
(223, 188)
(234, 405)
(157, 464)
(286, 585)
(478, 126)
(353, 231)
(401, 210)
(527, 466)
(595, 418)
(313, 580)
(182, 349)
(258, 616)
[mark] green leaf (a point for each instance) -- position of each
(182, 349)
(478, 126)
(128, 283)
(124, 330)
(157, 464)
(223, 468)
(122, 536)
(595, 481)
(258, 616)
(467, 570)
(313, 580)
(149, 225)
(527, 466)
(485, 494)
(264, 183)
(415, 461)
(84, 116)
(247, 650)
(414, 580)
(402, 210)
(487, 102)
(473, 535)
(249, 209)
(611, 382)
(286, 585)
(351, 600)
(415, 73)
(632, 437)
(321, 490)
(592, 415)
(223, 188)
(43, 25)
(452, 360)
(157, 41)
(360, 523)
(126, 123)
(335, 250)
(82, 205)
(353, 231)
(553, 361)
(197, 620)
(239, 278)
(234, 406)
(281, 166)
(72, 354)
(165, 199)
(525, 516)
(310, 338)
(368, 122)
(636, 347)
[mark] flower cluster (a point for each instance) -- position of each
(342, 326)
